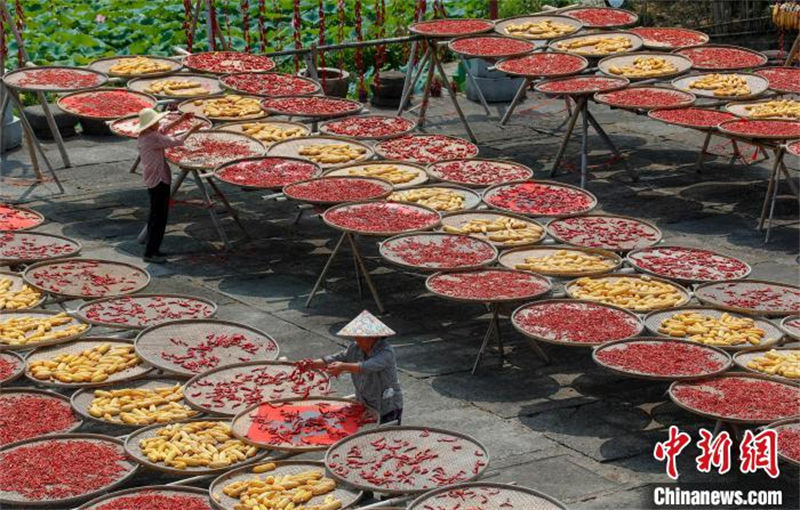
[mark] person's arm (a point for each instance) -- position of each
(166, 127)
(377, 363)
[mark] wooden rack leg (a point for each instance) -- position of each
(607, 139)
(584, 145)
(409, 89)
(358, 277)
(484, 345)
(5, 102)
(789, 180)
(198, 180)
(325, 269)
(453, 97)
(35, 141)
(771, 183)
(580, 104)
(407, 85)
(227, 205)
(51, 122)
(500, 348)
(426, 92)
(699, 164)
(367, 278)
(474, 82)
(515, 102)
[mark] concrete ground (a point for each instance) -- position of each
(569, 429)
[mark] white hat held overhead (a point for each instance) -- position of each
(366, 325)
(148, 117)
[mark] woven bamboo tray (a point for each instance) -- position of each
(16, 240)
(225, 80)
(743, 110)
(458, 219)
(453, 46)
(59, 102)
(12, 79)
(238, 127)
(772, 334)
(723, 127)
(485, 496)
(211, 84)
(503, 66)
(681, 64)
(512, 258)
(245, 420)
(221, 172)
(501, 26)
(593, 242)
(4, 316)
(389, 206)
(104, 65)
(415, 28)
(471, 198)
(191, 106)
(635, 40)
(154, 341)
(494, 190)
(129, 126)
(387, 251)
(685, 294)
(19, 391)
(275, 108)
(197, 385)
(439, 441)
(145, 301)
(758, 85)
(791, 326)
(37, 221)
(633, 18)
(291, 148)
(289, 190)
(210, 162)
(437, 174)
(765, 71)
(652, 44)
(634, 259)
(325, 127)
(729, 67)
(15, 499)
(686, 98)
(793, 423)
(19, 366)
(81, 400)
(17, 283)
(741, 359)
(713, 294)
(546, 286)
(354, 169)
(128, 278)
(48, 353)
(165, 490)
(219, 500)
(718, 354)
(420, 141)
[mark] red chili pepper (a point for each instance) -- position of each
(541, 199)
(789, 442)
(715, 57)
(488, 285)
(440, 252)
(30, 246)
(757, 128)
(312, 106)
(30, 415)
(606, 232)
(451, 27)
(221, 62)
(675, 359)
(693, 117)
(602, 17)
(646, 98)
(581, 85)
(668, 37)
(201, 355)
(689, 263)
(373, 126)
(491, 46)
(543, 64)
(59, 78)
(382, 217)
(479, 172)
(270, 84)
(8, 366)
(782, 78)
(742, 398)
(336, 190)
(757, 296)
(210, 150)
(106, 103)
(426, 148)
(154, 500)
(12, 218)
(268, 172)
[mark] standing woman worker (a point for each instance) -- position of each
(157, 176)
(371, 363)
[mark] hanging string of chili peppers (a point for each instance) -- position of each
(212, 16)
(362, 90)
(20, 21)
(226, 37)
(438, 9)
(280, 37)
(246, 25)
(298, 43)
(262, 29)
(380, 52)
(342, 16)
(3, 46)
(321, 7)
(187, 24)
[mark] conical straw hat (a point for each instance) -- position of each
(366, 325)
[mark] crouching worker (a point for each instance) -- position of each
(371, 363)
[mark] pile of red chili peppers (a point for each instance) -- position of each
(715, 57)
(204, 354)
(208, 150)
(307, 424)
(600, 17)
(106, 104)
(154, 500)
(703, 118)
(270, 84)
(313, 106)
(12, 218)
(480, 172)
(30, 246)
(61, 79)
(144, 311)
(32, 415)
(689, 264)
(666, 359)
(578, 85)
(646, 98)
(399, 463)
(669, 38)
(474, 498)
(789, 442)
(371, 126)
(782, 78)
(130, 126)
(491, 46)
(743, 398)
(607, 232)
(8, 366)
(220, 62)
(488, 285)
(268, 172)
(381, 217)
(90, 278)
(764, 128)
(250, 386)
(541, 199)
(333, 190)
(587, 323)
(756, 296)
(451, 27)
(61, 469)
(440, 252)
(543, 64)
(426, 148)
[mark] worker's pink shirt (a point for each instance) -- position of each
(151, 153)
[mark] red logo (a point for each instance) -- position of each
(671, 448)
(759, 451)
(714, 452)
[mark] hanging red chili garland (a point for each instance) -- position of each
(380, 53)
(262, 29)
(20, 21)
(321, 10)
(246, 25)
(187, 24)
(362, 90)
(212, 16)
(438, 9)
(342, 16)
(3, 47)
(297, 41)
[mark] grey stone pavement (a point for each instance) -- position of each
(569, 429)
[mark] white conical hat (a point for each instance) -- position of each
(366, 325)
